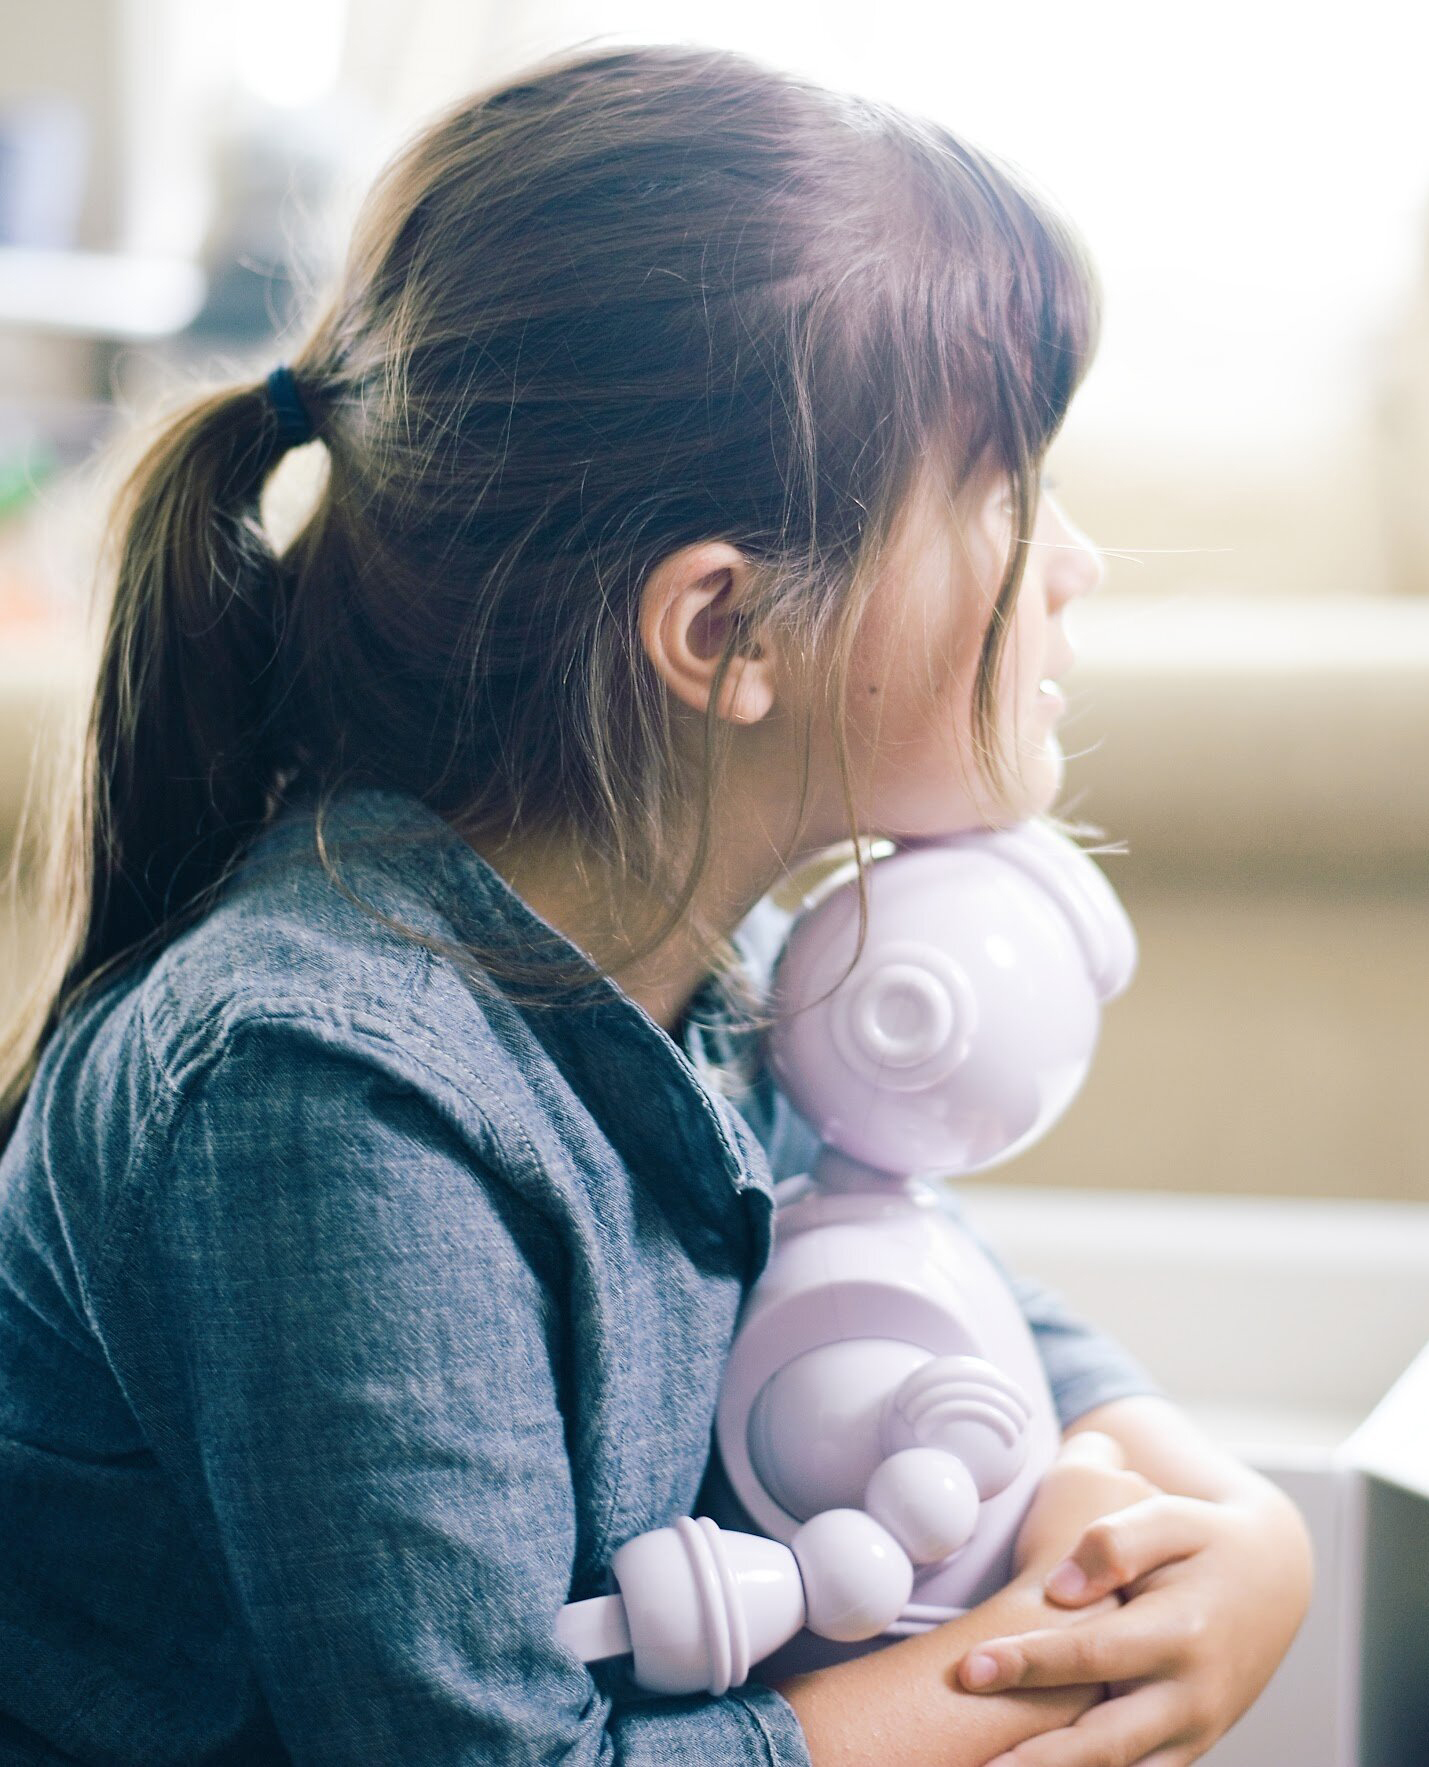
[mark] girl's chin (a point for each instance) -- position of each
(1034, 791)
(1043, 778)
(938, 812)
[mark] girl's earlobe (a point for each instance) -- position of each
(748, 691)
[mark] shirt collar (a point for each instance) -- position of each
(647, 1090)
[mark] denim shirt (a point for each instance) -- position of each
(350, 1321)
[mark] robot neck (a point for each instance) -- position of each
(837, 1173)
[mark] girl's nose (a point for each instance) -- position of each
(1077, 566)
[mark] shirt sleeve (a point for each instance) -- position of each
(346, 1358)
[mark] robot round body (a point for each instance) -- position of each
(884, 1418)
(879, 1326)
(961, 1033)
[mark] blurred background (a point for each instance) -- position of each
(1250, 711)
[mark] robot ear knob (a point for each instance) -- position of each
(907, 1020)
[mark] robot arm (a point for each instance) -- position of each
(918, 1441)
(699, 1604)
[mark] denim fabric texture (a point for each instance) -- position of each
(349, 1322)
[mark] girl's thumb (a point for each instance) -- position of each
(1091, 1448)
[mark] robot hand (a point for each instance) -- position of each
(960, 1426)
(699, 1604)
(826, 1426)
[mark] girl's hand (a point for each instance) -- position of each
(1212, 1592)
(1088, 1479)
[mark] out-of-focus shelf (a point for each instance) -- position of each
(1290, 1317)
(1289, 1435)
(1225, 737)
(98, 294)
(1322, 636)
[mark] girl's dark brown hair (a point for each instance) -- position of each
(634, 298)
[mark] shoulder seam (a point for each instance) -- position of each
(175, 1089)
(196, 1046)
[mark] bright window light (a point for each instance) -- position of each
(1252, 175)
(288, 52)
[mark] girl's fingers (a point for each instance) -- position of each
(1125, 1545)
(1124, 1646)
(1130, 1732)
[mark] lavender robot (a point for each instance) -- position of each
(884, 1419)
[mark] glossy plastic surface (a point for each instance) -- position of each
(884, 1418)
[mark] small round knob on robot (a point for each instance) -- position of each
(927, 1500)
(969, 1408)
(857, 1578)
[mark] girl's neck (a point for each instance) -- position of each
(571, 898)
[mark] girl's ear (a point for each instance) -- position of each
(687, 608)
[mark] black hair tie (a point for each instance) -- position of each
(295, 421)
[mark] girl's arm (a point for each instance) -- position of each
(904, 1704)
(1214, 1577)
(1163, 1445)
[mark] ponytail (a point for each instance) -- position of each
(181, 753)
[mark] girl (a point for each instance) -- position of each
(388, 1151)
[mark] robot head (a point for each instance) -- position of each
(968, 1024)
